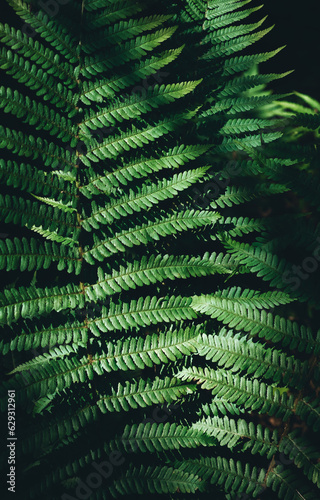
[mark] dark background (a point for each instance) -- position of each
(297, 25)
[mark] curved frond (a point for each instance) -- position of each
(142, 312)
(145, 198)
(250, 393)
(257, 322)
(140, 168)
(148, 232)
(30, 254)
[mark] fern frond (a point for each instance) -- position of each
(133, 139)
(154, 479)
(54, 236)
(251, 299)
(144, 393)
(231, 46)
(47, 336)
(304, 454)
(244, 83)
(235, 478)
(31, 147)
(32, 180)
(94, 5)
(231, 433)
(141, 167)
(36, 52)
(241, 125)
(237, 195)
(288, 486)
(158, 437)
(100, 89)
(27, 302)
(122, 107)
(241, 226)
(261, 323)
(48, 28)
(30, 254)
(143, 312)
(132, 107)
(147, 196)
(249, 393)
(124, 30)
(213, 22)
(38, 80)
(136, 352)
(239, 105)
(232, 31)
(143, 438)
(114, 12)
(267, 266)
(38, 114)
(131, 395)
(218, 8)
(44, 376)
(230, 144)
(47, 374)
(151, 270)
(243, 63)
(67, 208)
(239, 353)
(27, 213)
(309, 410)
(150, 231)
(220, 406)
(128, 51)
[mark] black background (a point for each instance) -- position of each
(297, 25)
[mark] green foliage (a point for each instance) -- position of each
(138, 326)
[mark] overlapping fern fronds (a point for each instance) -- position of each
(122, 295)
